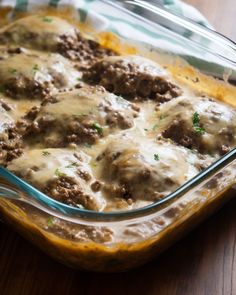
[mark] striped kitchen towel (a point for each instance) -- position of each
(175, 6)
(199, 50)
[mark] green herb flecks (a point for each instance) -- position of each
(36, 68)
(93, 164)
(58, 173)
(45, 153)
(13, 71)
(72, 165)
(47, 19)
(162, 117)
(80, 115)
(196, 124)
(156, 157)
(50, 221)
(98, 128)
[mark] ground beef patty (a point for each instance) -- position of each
(25, 73)
(145, 171)
(50, 33)
(133, 77)
(79, 116)
(63, 174)
(200, 123)
(10, 140)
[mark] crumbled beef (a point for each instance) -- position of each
(140, 171)
(56, 35)
(66, 190)
(77, 125)
(85, 51)
(200, 123)
(129, 78)
(33, 75)
(79, 233)
(10, 145)
(16, 87)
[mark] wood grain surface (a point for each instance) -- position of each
(203, 263)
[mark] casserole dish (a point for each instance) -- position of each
(117, 241)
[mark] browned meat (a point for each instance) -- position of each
(10, 140)
(85, 51)
(200, 123)
(79, 233)
(133, 77)
(10, 145)
(65, 175)
(145, 170)
(67, 190)
(33, 75)
(80, 116)
(50, 33)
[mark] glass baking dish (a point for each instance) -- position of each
(119, 241)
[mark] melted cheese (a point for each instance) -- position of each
(216, 119)
(41, 68)
(149, 169)
(142, 64)
(167, 164)
(38, 32)
(39, 166)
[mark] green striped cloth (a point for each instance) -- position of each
(175, 6)
(177, 41)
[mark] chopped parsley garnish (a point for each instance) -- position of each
(45, 153)
(13, 71)
(97, 127)
(145, 129)
(93, 164)
(196, 119)
(196, 124)
(36, 67)
(72, 165)
(156, 157)
(199, 130)
(79, 79)
(58, 173)
(80, 115)
(50, 221)
(47, 19)
(162, 117)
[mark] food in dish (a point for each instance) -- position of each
(52, 34)
(134, 77)
(101, 132)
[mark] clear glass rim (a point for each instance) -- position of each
(182, 21)
(27, 189)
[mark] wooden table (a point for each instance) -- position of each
(202, 263)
